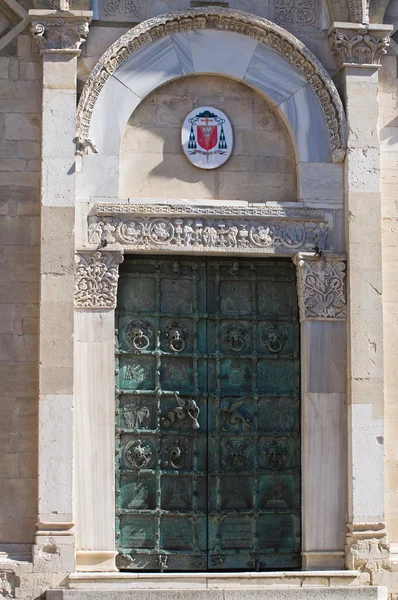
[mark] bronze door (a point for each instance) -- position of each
(208, 415)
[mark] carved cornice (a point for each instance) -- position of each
(62, 32)
(321, 288)
(367, 548)
(364, 45)
(157, 227)
(269, 34)
(96, 277)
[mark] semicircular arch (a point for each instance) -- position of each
(224, 42)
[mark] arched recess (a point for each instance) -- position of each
(229, 43)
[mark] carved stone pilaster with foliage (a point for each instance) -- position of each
(96, 278)
(321, 288)
(363, 45)
(64, 34)
(367, 548)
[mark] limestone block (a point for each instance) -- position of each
(21, 491)
(20, 529)
(164, 110)
(20, 97)
(58, 182)
(152, 141)
(100, 176)
(363, 169)
(59, 71)
(22, 126)
(4, 64)
(27, 149)
(55, 459)
(30, 71)
(57, 254)
(264, 143)
(321, 181)
(55, 380)
(21, 231)
(389, 141)
(59, 129)
(266, 187)
(367, 454)
(364, 218)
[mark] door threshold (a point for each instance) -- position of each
(204, 580)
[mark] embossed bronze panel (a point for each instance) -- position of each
(207, 415)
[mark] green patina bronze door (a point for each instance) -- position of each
(207, 415)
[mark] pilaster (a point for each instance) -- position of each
(60, 34)
(96, 279)
(321, 283)
(359, 50)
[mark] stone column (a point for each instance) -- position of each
(322, 303)
(60, 34)
(95, 303)
(359, 49)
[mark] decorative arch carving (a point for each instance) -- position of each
(259, 29)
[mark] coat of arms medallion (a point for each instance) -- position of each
(207, 137)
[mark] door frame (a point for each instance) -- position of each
(322, 303)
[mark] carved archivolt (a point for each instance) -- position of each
(220, 19)
(96, 277)
(321, 288)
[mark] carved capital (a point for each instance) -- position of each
(96, 277)
(364, 45)
(321, 288)
(367, 549)
(64, 34)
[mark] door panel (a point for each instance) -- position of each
(208, 447)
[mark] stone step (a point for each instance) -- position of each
(230, 593)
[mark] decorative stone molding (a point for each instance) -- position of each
(367, 549)
(62, 31)
(96, 278)
(171, 228)
(364, 45)
(222, 19)
(321, 288)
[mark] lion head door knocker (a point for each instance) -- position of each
(139, 335)
(274, 337)
(175, 336)
(275, 453)
(138, 453)
(235, 336)
(235, 453)
(176, 453)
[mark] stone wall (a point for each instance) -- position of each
(262, 165)
(20, 106)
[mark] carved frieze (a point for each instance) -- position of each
(321, 288)
(60, 34)
(291, 13)
(96, 277)
(157, 227)
(221, 19)
(359, 46)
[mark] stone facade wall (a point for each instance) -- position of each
(388, 91)
(262, 165)
(20, 107)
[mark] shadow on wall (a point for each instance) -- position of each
(262, 165)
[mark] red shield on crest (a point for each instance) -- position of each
(207, 136)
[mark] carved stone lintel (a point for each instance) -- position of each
(367, 549)
(63, 32)
(321, 288)
(208, 228)
(96, 278)
(363, 45)
(220, 19)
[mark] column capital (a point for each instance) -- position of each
(96, 278)
(359, 45)
(60, 31)
(321, 287)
